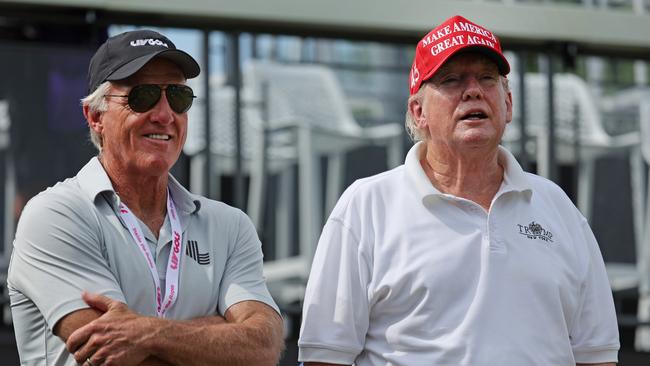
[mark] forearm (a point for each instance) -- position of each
(154, 361)
(249, 334)
(74, 321)
(214, 341)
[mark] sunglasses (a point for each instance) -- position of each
(144, 97)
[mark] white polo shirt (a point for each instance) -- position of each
(406, 275)
(70, 239)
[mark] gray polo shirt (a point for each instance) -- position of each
(70, 239)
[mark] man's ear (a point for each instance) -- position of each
(94, 119)
(508, 107)
(415, 107)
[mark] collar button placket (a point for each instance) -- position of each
(494, 237)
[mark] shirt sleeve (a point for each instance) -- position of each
(335, 314)
(57, 255)
(243, 277)
(594, 334)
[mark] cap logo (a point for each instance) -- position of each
(433, 37)
(487, 38)
(415, 75)
(148, 41)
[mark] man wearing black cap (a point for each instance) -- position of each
(120, 265)
(458, 257)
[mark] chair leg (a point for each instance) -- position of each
(283, 210)
(335, 164)
(642, 337)
(543, 165)
(309, 190)
(637, 183)
(197, 173)
(216, 171)
(586, 186)
(395, 152)
(258, 177)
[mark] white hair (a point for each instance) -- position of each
(411, 127)
(97, 103)
(409, 122)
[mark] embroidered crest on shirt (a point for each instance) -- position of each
(535, 231)
(192, 251)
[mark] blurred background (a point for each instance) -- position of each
(297, 99)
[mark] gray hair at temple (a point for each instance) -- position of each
(97, 103)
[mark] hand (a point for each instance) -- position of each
(115, 338)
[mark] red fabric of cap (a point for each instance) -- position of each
(454, 35)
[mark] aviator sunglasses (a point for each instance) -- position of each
(144, 97)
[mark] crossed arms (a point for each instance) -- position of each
(109, 333)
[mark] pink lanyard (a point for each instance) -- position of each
(175, 255)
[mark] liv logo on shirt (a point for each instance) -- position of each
(535, 231)
(192, 251)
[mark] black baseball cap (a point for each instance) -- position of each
(124, 54)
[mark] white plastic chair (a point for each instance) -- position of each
(634, 104)
(574, 102)
(308, 100)
(306, 118)
(280, 157)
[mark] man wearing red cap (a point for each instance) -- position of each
(457, 257)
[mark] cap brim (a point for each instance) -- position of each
(499, 60)
(187, 64)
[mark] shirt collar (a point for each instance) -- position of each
(185, 201)
(514, 177)
(416, 175)
(93, 180)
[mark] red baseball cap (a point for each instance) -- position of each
(454, 35)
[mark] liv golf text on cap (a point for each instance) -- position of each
(124, 54)
(454, 35)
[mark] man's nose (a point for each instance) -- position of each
(162, 112)
(472, 88)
